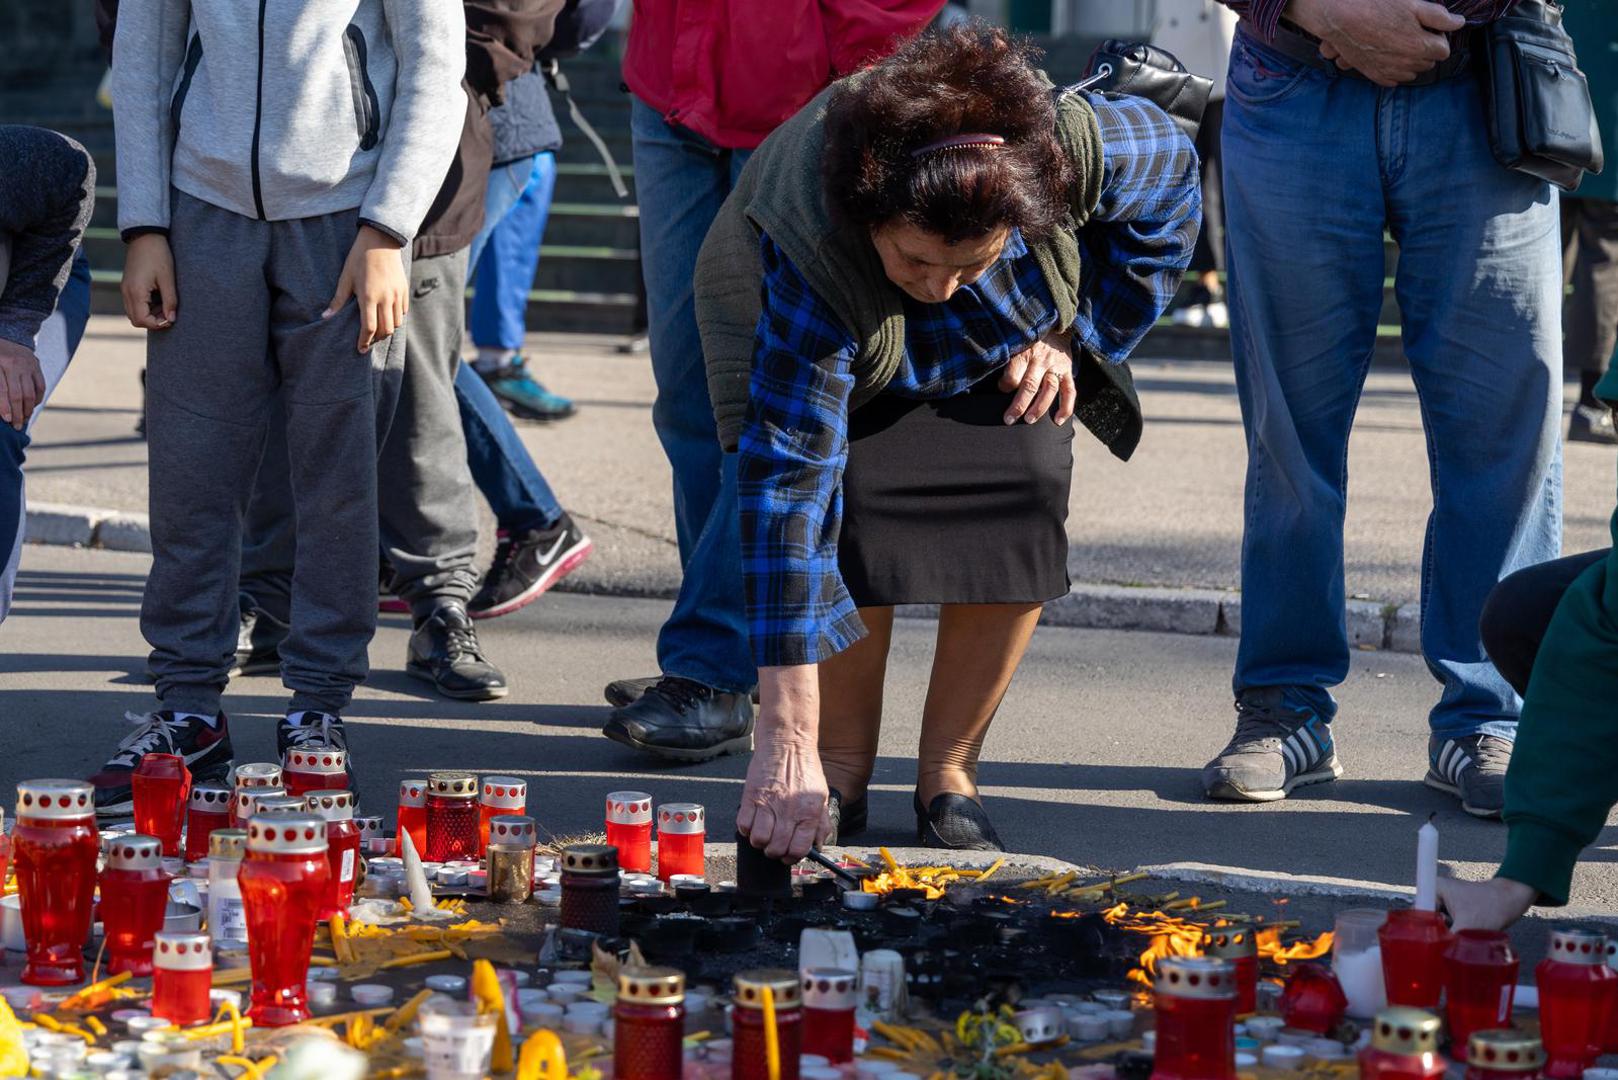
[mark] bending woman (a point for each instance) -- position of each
(938, 237)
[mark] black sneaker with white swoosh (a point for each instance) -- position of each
(205, 748)
(526, 565)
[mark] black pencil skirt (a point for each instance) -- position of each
(945, 503)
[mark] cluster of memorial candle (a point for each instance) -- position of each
(681, 835)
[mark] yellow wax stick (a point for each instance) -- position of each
(339, 940)
(348, 1017)
(95, 1025)
(406, 1013)
(254, 1069)
(213, 1031)
(419, 958)
(772, 1039)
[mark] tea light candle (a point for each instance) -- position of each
(1120, 1023)
(1087, 1027)
(445, 984)
(371, 995)
(1265, 1028)
(1287, 1058)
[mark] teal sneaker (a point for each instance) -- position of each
(525, 396)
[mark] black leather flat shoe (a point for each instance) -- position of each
(956, 822)
(847, 819)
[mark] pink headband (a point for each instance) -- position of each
(974, 140)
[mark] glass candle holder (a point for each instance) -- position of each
(1196, 1019)
(412, 817)
(336, 808)
(452, 816)
(134, 901)
(1313, 999)
(162, 785)
(55, 847)
(244, 802)
(629, 829)
(207, 809)
(1240, 947)
(1504, 1055)
(227, 918)
(590, 889)
(1404, 1046)
(1413, 944)
(182, 978)
(649, 1024)
(500, 796)
(457, 1040)
(284, 880)
(749, 1057)
(314, 767)
(1481, 981)
(830, 996)
(682, 837)
(1576, 995)
(1356, 960)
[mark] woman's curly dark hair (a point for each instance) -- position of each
(965, 80)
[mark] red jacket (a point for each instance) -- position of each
(732, 70)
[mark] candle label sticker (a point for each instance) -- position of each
(346, 873)
(232, 920)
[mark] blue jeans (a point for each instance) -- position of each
(57, 340)
(1316, 166)
(680, 180)
(505, 253)
(501, 466)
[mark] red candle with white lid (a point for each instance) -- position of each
(182, 978)
(500, 795)
(284, 881)
(629, 829)
(1576, 997)
(207, 809)
(1196, 1019)
(830, 996)
(412, 817)
(1404, 1046)
(314, 767)
(55, 847)
(682, 836)
(342, 847)
(134, 901)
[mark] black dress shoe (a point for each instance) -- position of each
(444, 651)
(621, 692)
(683, 720)
(956, 822)
(847, 818)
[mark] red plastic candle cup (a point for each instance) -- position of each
(452, 816)
(749, 1060)
(590, 889)
(500, 795)
(1313, 999)
(314, 767)
(682, 835)
(1576, 996)
(1241, 949)
(134, 901)
(829, 998)
(1481, 970)
(629, 829)
(162, 785)
(1196, 1019)
(244, 802)
(284, 881)
(1404, 1046)
(207, 809)
(182, 978)
(412, 816)
(55, 847)
(336, 808)
(1504, 1055)
(1413, 944)
(649, 1025)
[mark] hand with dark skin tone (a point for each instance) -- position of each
(22, 385)
(1388, 41)
(1484, 905)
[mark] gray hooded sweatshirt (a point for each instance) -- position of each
(278, 109)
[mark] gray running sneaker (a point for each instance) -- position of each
(1473, 769)
(1276, 748)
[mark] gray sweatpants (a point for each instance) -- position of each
(425, 495)
(248, 337)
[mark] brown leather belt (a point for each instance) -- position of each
(1302, 46)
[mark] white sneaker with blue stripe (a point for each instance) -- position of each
(1277, 748)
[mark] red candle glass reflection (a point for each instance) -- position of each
(1481, 982)
(749, 1059)
(452, 816)
(314, 767)
(284, 880)
(134, 900)
(1196, 1019)
(412, 816)
(162, 785)
(829, 998)
(55, 847)
(681, 838)
(649, 1025)
(1241, 949)
(207, 809)
(182, 978)
(336, 808)
(1404, 1046)
(1576, 997)
(629, 829)
(1413, 944)
(1313, 1000)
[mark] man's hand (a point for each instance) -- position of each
(374, 276)
(1388, 41)
(150, 299)
(1484, 905)
(783, 809)
(22, 386)
(1042, 374)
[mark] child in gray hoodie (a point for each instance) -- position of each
(274, 162)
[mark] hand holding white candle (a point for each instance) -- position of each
(1427, 867)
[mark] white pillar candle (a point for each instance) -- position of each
(1427, 867)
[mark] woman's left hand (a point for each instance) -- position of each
(1042, 375)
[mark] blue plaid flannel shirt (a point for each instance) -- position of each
(795, 441)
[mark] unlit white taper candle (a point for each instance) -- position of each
(1427, 867)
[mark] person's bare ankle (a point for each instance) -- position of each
(931, 785)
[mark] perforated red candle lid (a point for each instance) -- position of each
(135, 852)
(651, 986)
(412, 793)
(286, 834)
(832, 989)
(54, 800)
(1230, 944)
(784, 986)
(513, 830)
(258, 774)
(452, 785)
(1578, 947)
(330, 805)
(182, 951)
(1202, 977)
(246, 800)
(209, 798)
(590, 859)
(629, 808)
(681, 819)
(280, 804)
(371, 828)
(1505, 1051)
(319, 758)
(504, 792)
(1405, 1031)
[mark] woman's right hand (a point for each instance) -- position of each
(783, 809)
(149, 270)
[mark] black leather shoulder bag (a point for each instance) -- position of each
(1536, 101)
(1133, 67)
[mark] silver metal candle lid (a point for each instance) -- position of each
(504, 792)
(681, 819)
(318, 758)
(1196, 977)
(227, 843)
(830, 989)
(183, 951)
(135, 852)
(412, 793)
(258, 774)
(453, 785)
(209, 798)
(286, 834)
(55, 800)
(513, 830)
(629, 808)
(245, 801)
(330, 805)
(371, 828)
(1585, 947)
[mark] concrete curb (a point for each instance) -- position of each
(1371, 625)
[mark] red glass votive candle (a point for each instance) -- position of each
(1196, 1019)
(207, 809)
(1481, 981)
(682, 835)
(452, 816)
(1576, 996)
(182, 978)
(649, 1025)
(162, 785)
(244, 802)
(412, 816)
(749, 1059)
(499, 795)
(314, 767)
(134, 900)
(55, 847)
(1413, 944)
(590, 889)
(336, 808)
(1313, 1000)
(284, 880)
(629, 829)
(1241, 949)
(829, 998)
(1404, 1046)
(1504, 1055)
